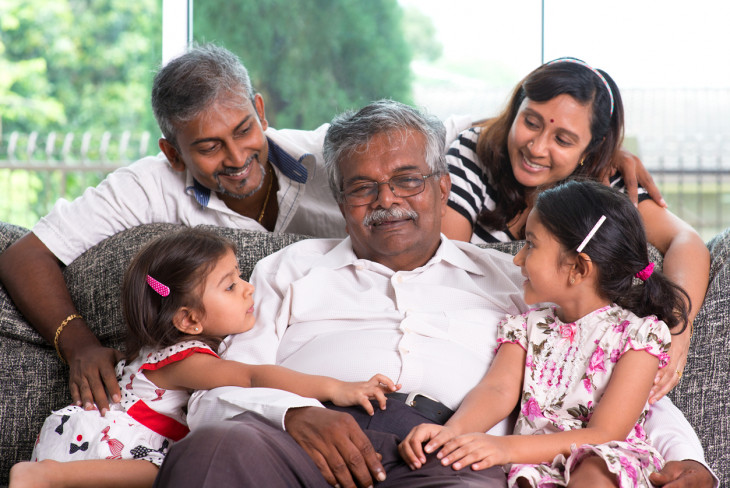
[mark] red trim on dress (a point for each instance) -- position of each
(157, 422)
(178, 356)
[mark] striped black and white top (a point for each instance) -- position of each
(473, 189)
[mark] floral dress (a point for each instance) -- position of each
(567, 370)
(143, 425)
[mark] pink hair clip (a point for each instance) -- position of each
(644, 274)
(158, 287)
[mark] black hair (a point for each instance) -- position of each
(570, 210)
(541, 85)
(181, 261)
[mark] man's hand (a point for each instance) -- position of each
(337, 445)
(634, 173)
(92, 375)
(683, 474)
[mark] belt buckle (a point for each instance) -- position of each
(411, 398)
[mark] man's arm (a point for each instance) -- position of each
(675, 439)
(33, 278)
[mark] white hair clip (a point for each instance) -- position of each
(591, 233)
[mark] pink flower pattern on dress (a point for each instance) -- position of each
(567, 331)
(615, 355)
(567, 370)
(531, 410)
(596, 363)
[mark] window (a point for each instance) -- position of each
(85, 69)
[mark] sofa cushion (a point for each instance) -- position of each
(703, 393)
(34, 379)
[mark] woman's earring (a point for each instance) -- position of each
(195, 329)
(581, 161)
(572, 282)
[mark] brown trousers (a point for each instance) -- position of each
(248, 451)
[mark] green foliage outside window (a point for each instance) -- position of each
(311, 60)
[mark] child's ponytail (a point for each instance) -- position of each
(618, 249)
(652, 293)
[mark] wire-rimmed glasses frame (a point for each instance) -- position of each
(365, 192)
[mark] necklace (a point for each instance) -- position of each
(266, 200)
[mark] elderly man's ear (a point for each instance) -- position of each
(445, 186)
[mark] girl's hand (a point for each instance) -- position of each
(668, 377)
(411, 448)
(480, 451)
(361, 392)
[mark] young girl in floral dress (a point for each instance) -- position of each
(181, 296)
(581, 369)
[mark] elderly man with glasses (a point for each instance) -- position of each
(395, 297)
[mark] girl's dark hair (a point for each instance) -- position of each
(541, 85)
(181, 261)
(618, 249)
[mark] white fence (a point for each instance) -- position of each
(692, 171)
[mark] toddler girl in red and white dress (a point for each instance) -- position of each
(182, 294)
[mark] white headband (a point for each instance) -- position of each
(598, 73)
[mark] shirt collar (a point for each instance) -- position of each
(196, 190)
(290, 167)
(343, 255)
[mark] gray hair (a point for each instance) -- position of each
(194, 81)
(351, 129)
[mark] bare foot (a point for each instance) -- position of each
(32, 475)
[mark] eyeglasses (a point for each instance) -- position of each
(365, 192)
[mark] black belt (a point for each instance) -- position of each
(428, 407)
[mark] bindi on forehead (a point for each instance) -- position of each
(552, 121)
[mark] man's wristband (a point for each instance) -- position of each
(60, 329)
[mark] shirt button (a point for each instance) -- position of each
(359, 267)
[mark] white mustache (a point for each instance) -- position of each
(380, 215)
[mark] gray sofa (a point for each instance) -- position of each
(34, 380)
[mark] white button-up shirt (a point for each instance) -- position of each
(150, 191)
(321, 310)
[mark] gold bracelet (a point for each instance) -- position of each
(60, 328)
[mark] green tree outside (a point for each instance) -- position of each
(311, 60)
(83, 66)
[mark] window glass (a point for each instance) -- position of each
(675, 82)
(75, 80)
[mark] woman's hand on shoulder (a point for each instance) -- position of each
(634, 174)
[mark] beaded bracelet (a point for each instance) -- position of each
(58, 332)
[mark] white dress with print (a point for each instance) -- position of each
(568, 367)
(143, 425)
